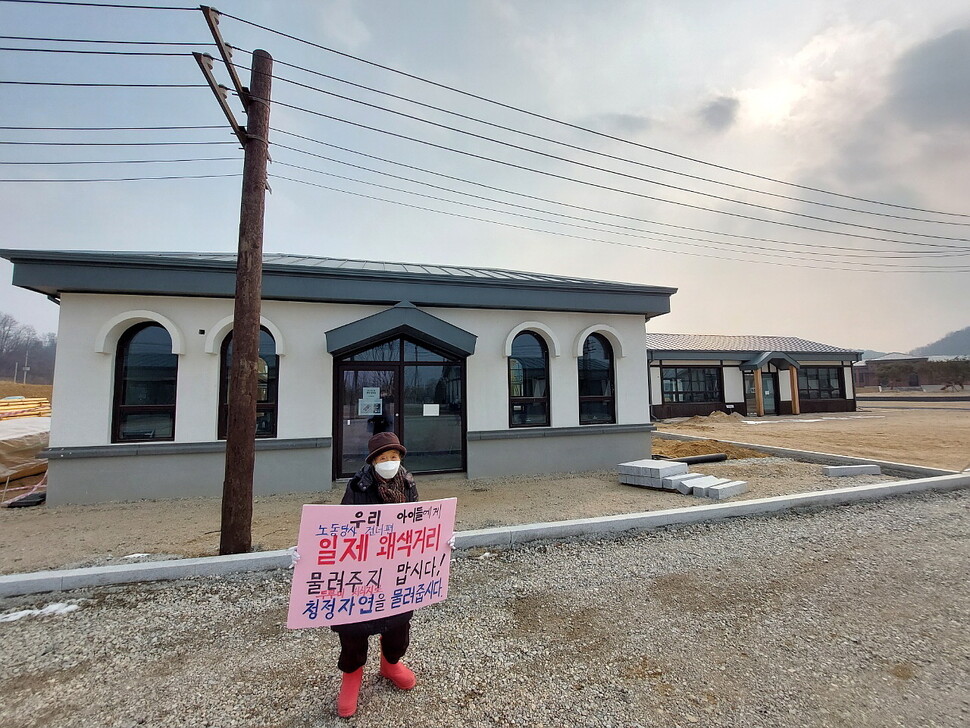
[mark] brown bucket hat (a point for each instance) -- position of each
(382, 442)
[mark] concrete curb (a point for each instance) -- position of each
(507, 536)
(903, 470)
(66, 580)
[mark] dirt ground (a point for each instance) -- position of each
(935, 434)
(932, 434)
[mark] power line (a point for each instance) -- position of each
(125, 179)
(576, 127)
(108, 144)
(714, 244)
(98, 5)
(103, 85)
(109, 128)
(156, 54)
(811, 246)
(621, 190)
(101, 40)
(611, 242)
(563, 204)
(129, 161)
(588, 150)
(625, 175)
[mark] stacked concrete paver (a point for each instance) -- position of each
(672, 475)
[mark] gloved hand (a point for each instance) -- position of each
(451, 543)
(294, 556)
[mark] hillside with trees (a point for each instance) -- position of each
(21, 346)
(956, 343)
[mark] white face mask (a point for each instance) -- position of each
(387, 469)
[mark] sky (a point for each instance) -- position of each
(700, 119)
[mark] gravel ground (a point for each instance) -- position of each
(853, 616)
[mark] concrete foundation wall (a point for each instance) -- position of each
(90, 478)
(496, 454)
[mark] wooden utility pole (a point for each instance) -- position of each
(236, 534)
(237, 489)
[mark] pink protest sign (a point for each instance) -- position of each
(365, 562)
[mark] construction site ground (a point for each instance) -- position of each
(930, 434)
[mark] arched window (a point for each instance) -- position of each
(268, 372)
(146, 372)
(596, 401)
(529, 381)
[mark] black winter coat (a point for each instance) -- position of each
(362, 488)
(362, 491)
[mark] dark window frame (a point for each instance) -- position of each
(687, 396)
(120, 375)
(611, 398)
(273, 385)
(519, 400)
(806, 390)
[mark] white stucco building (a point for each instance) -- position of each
(479, 371)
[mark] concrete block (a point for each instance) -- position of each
(727, 490)
(643, 481)
(684, 487)
(672, 482)
(653, 468)
(839, 471)
(699, 486)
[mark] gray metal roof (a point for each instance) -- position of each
(717, 343)
(312, 278)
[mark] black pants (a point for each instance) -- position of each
(395, 638)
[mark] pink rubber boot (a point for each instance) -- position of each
(349, 690)
(398, 673)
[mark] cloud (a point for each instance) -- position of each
(720, 114)
(930, 85)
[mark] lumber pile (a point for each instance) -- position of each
(15, 407)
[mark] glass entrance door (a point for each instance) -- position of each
(368, 405)
(402, 387)
(769, 387)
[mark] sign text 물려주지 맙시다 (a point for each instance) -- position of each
(365, 562)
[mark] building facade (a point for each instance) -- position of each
(752, 375)
(479, 371)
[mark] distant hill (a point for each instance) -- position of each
(872, 354)
(956, 343)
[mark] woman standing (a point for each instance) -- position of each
(381, 480)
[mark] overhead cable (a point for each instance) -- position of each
(613, 242)
(101, 40)
(811, 246)
(103, 85)
(110, 144)
(578, 127)
(698, 242)
(97, 53)
(125, 161)
(109, 128)
(621, 190)
(99, 5)
(125, 179)
(583, 149)
(626, 175)
(564, 204)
